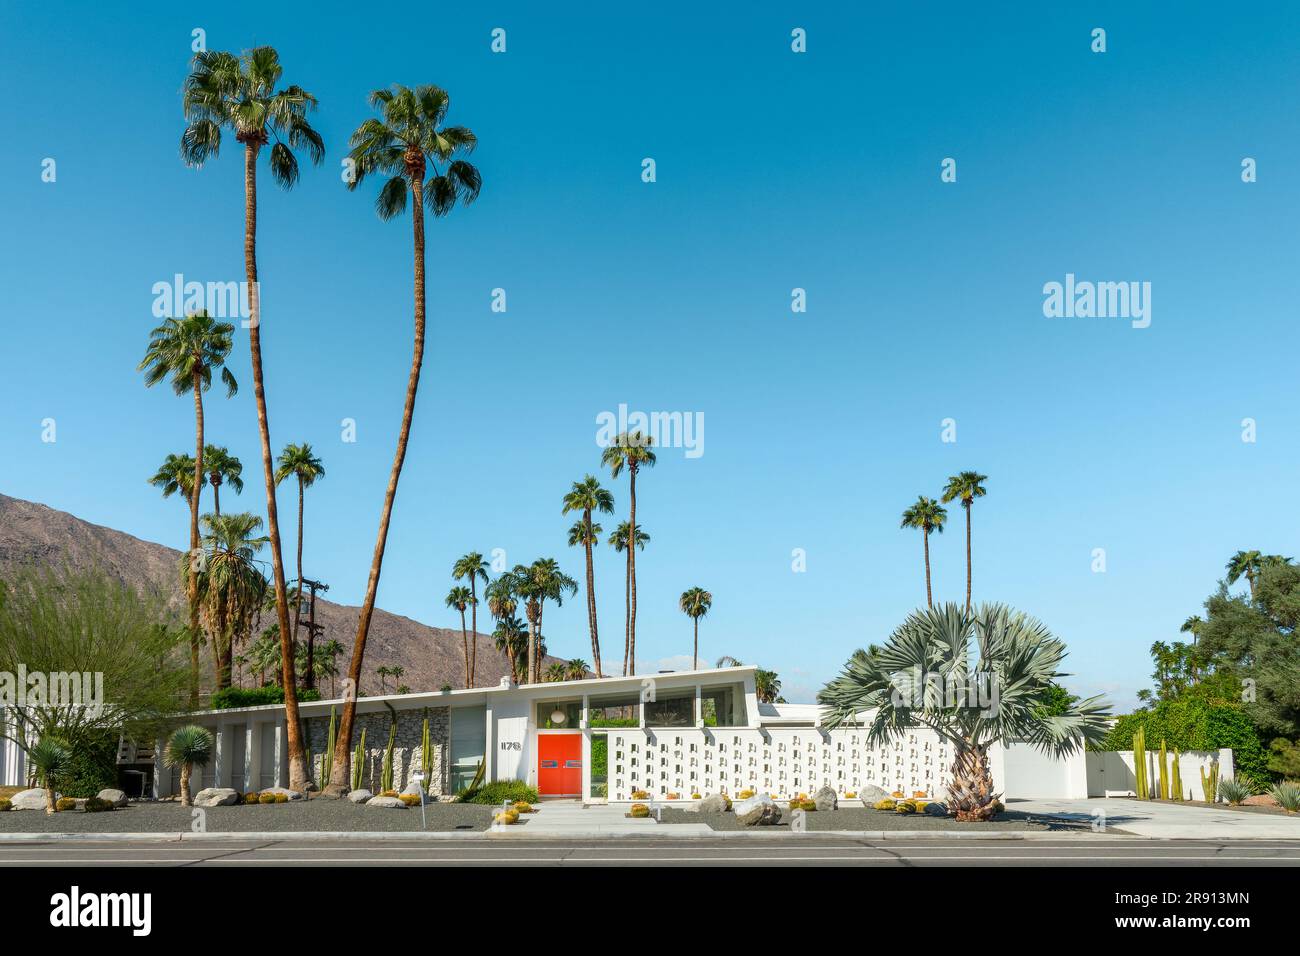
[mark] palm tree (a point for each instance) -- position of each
(300, 462)
(695, 603)
(383, 670)
(534, 585)
(176, 476)
(1245, 564)
(972, 651)
(630, 451)
(928, 516)
(239, 93)
(52, 763)
(576, 669)
(222, 468)
(403, 145)
(187, 748)
(588, 496)
(241, 661)
(459, 598)
(502, 605)
(767, 686)
(264, 654)
(966, 486)
(231, 587)
(618, 541)
(473, 567)
(1193, 626)
(511, 639)
(556, 672)
(330, 654)
(187, 351)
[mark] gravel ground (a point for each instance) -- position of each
(300, 815)
(860, 818)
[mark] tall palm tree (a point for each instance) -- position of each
(330, 654)
(475, 569)
(618, 541)
(575, 669)
(264, 655)
(928, 516)
(588, 496)
(238, 93)
(241, 661)
(695, 603)
(187, 748)
(511, 639)
(889, 683)
(187, 351)
(459, 598)
(767, 686)
(403, 145)
(231, 587)
(383, 670)
(629, 451)
(300, 462)
(966, 486)
(557, 671)
(1193, 626)
(222, 468)
(502, 605)
(1245, 564)
(176, 476)
(534, 584)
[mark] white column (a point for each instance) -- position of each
(699, 706)
(220, 759)
(249, 768)
(279, 753)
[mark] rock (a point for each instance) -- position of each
(935, 808)
(714, 803)
(870, 793)
(359, 796)
(392, 803)
(291, 794)
(1260, 800)
(215, 797)
(116, 797)
(33, 799)
(826, 799)
(760, 810)
(413, 789)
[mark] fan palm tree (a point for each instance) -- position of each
(534, 584)
(618, 541)
(187, 748)
(52, 763)
(966, 486)
(928, 516)
(300, 462)
(588, 496)
(459, 598)
(630, 451)
(264, 655)
(767, 686)
(502, 605)
(1193, 626)
(186, 352)
(330, 655)
(238, 93)
(475, 569)
(383, 670)
(576, 669)
(1245, 564)
(556, 672)
(222, 468)
(511, 639)
(241, 661)
(175, 476)
(231, 586)
(695, 603)
(974, 679)
(409, 141)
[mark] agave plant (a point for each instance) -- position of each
(187, 748)
(1233, 791)
(51, 761)
(1287, 795)
(975, 679)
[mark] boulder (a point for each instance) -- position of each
(33, 799)
(391, 803)
(116, 797)
(714, 803)
(760, 810)
(935, 808)
(359, 796)
(291, 794)
(869, 794)
(826, 799)
(215, 797)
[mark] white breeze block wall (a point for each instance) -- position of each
(781, 761)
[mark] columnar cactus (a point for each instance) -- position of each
(1164, 771)
(1140, 763)
(386, 774)
(426, 756)
(359, 761)
(1210, 782)
(1176, 785)
(327, 759)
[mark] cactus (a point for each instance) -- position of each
(386, 773)
(1176, 784)
(359, 761)
(1164, 771)
(1210, 782)
(327, 759)
(426, 756)
(1140, 763)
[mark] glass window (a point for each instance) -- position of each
(559, 715)
(468, 744)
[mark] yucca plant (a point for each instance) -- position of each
(52, 762)
(1287, 795)
(1234, 791)
(187, 748)
(1012, 662)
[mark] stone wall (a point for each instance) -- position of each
(407, 750)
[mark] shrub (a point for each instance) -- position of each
(494, 794)
(92, 766)
(673, 796)
(389, 793)
(696, 796)
(897, 794)
(266, 798)
(5, 804)
(743, 795)
(1191, 723)
(251, 797)
(905, 806)
(1287, 796)
(507, 817)
(229, 697)
(523, 806)
(851, 795)
(640, 795)
(1236, 790)
(410, 799)
(96, 805)
(65, 803)
(885, 804)
(998, 807)
(807, 804)
(639, 810)
(281, 797)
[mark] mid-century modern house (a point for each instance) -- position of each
(670, 735)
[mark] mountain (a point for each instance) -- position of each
(32, 533)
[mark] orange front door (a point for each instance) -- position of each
(559, 765)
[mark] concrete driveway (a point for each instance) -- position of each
(1168, 821)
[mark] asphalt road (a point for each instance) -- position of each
(650, 852)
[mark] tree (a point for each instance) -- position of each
(630, 451)
(187, 748)
(588, 496)
(409, 139)
(264, 654)
(1192, 626)
(966, 486)
(473, 568)
(1244, 564)
(51, 762)
(187, 351)
(459, 598)
(767, 686)
(502, 605)
(176, 476)
(383, 671)
(974, 679)
(576, 669)
(511, 639)
(928, 516)
(222, 468)
(231, 586)
(534, 584)
(300, 462)
(556, 672)
(330, 655)
(224, 91)
(695, 603)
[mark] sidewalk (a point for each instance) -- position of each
(1165, 821)
(565, 818)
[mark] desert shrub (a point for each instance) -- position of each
(229, 697)
(851, 795)
(523, 806)
(500, 791)
(410, 799)
(281, 797)
(92, 766)
(998, 807)
(905, 806)
(266, 798)
(96, 805)
(1287, 796)
(743, 795)
(640, 795)
(65, 803)
(639, 810)
(696, 796)
(807, 804)
(886, 804)
(5, 804)
(251, 798)
(507, 817)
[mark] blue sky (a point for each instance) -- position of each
(775, 170)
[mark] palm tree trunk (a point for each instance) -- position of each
(473, 628)
(591, 597)
(695, 654)
(970, 795)
(297, 611)
(297, 761)
(532, 649)
(216, 498)
(340, 775)
(185, 785)
(631, 571)
(464, 643)
(537, 645)
(928, 601)
(194, 540)
(967, 557)
(49, 796)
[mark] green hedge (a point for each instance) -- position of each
(493, 794)
(1192, 724)
(256, 696)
